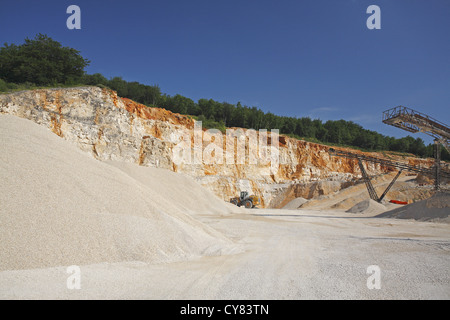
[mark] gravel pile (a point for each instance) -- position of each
(60, 207)
(436, 208)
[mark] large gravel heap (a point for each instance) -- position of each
(436, 208)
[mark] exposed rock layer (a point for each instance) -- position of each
(113, 128)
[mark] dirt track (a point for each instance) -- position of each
(280, 254)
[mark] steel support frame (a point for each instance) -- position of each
(437, 165)
(372, 192)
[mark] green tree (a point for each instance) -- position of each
(3, 85)
(41, 61)
(94, 79)
(119, 85)
(152, 94)
(418, 147)
(289, 125)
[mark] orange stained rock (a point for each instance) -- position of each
(306, 153)
(161, 114)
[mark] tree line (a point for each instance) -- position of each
(43, 61)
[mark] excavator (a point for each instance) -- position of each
(245, 200)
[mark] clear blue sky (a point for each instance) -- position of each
(297, 58)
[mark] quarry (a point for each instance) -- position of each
(130, 195)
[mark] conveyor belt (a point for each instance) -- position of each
(386, 162)
(414, 121)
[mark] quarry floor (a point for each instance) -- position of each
(279, 254)
(61, 207)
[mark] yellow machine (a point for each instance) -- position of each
(245, 200)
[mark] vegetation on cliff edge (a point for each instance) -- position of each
(44, 62)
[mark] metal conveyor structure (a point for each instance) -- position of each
(386, 162)
(414, 121)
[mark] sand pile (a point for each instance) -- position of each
(404, 189)
(295, 203)
(436, 208)
(367, 206)
(59, 206)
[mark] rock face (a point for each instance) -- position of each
(113, 128)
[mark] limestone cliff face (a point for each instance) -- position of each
(112, 128)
